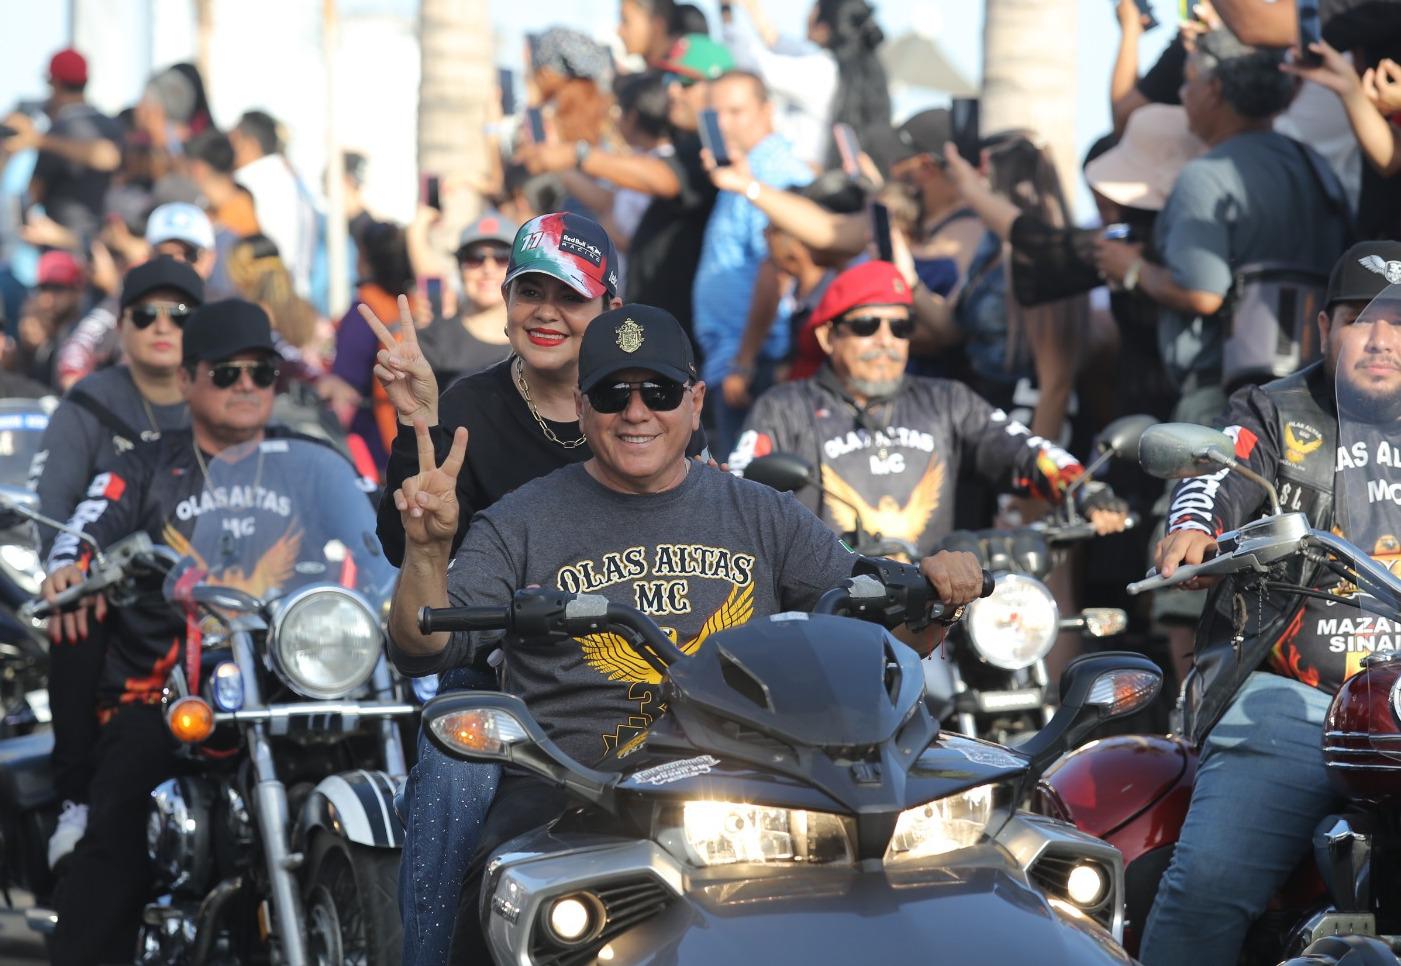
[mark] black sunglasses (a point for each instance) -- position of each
(225, 374)
(143, 316)
(478, 257)
(660, 397)
(868, 325)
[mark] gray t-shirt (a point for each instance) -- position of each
(77, 445)
(708, 555)
(1252, 198)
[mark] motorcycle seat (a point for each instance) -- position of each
(26, 776)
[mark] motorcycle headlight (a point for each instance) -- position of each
(721, 833)
(1017, 625)
(324, 642)
(24, 566)
(941, 826)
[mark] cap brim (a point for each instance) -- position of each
(129, 300)
(665, 370)
(586, 287)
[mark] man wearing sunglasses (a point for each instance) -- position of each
(225, 368)
(698, 549)
(889, 447)
(104, 416)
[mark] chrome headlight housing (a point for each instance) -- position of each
(723, 833)
(324, 641)
(944, 825)
(1017, 625)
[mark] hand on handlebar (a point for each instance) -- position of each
(1105, 511)
(1185, 547)
(427, 502)
(956, 576)
(72, 626)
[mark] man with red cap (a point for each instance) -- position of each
(888, 447)
(78, 153)
(47, 317)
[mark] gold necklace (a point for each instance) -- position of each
(530, 404)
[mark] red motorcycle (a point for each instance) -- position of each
(1133, 791)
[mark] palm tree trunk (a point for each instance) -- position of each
(1029, 75)
(457, 79)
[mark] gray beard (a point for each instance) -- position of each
(874, 388)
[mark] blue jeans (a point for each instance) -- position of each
(1261, 791)
(729, 420)
(445, 801)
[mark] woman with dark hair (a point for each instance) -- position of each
(831, 77)
(385, 274)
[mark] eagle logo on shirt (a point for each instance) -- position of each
(888, 517)
(610, 655)
(273, 569)
(1300, 440)
(1375, 263)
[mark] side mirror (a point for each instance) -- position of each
(1120, 438)
(1176, 451)
(1094, 689)
(781, 471)
(491, 726)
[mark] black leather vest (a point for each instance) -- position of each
(1240, 626)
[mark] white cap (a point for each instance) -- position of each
(180, 221)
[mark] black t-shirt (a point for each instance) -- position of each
(74, 193)
(1163, 82)
(453, 352)
(666, 247)
(505, 449)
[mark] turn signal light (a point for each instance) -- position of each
(191, 720)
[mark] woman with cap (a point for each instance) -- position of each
(474, 338)
(522, 423)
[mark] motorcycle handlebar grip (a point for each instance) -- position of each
(989, 584)
(431, 620)
(39, 608)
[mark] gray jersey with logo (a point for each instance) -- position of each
(710, 554)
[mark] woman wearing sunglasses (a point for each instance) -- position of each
(889, 445)
(522, 423)
(106, 414)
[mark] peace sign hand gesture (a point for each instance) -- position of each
(400, 367)
(427, 503)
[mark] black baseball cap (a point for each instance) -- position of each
(161, 272)
(221, 330)
(925, 133)
(1365, 271)
(635, 337)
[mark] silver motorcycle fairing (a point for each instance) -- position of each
(355, 805)
(979, 905)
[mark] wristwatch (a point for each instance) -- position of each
(582, 149)
(751, 191)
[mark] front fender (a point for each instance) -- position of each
(358, 806)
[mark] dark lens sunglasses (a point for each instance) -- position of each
(660, 397)
(478, 257)
(868, 325)
(225, 374)
(143, 316)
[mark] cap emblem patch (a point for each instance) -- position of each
(630, 336)
(1390, 270)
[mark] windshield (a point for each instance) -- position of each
(275, 517)
(22, 424)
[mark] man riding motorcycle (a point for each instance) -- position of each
(1265, 666)
(640, 523)
(227, 377)
(888, 445)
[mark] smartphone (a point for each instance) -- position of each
(433, 288)
(1145, 8)
(849, 149)
(7, 132)
(963, 118)
(711, 138)
(506, 81)
(535, 123)
(1310, 32)
(880, 230)
(431, 194)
